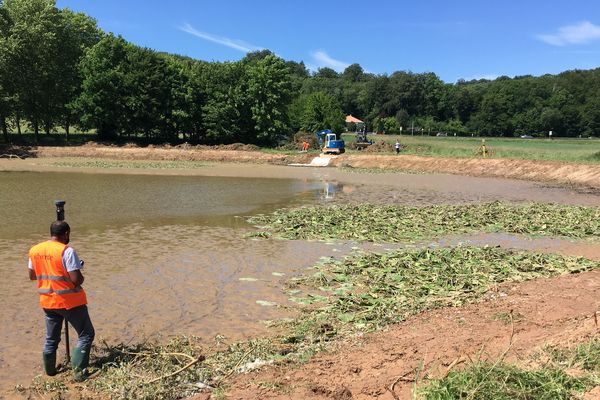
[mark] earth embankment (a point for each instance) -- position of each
(536, 170)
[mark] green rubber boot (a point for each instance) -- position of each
(80, 359)
(49, 360)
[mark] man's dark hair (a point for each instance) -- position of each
(59, 228)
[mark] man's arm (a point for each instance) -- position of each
(76, 277)
(32, 276)
(73, 265)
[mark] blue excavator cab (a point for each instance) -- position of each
(329, 142)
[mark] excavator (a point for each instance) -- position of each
(362, 141)
(329, 142)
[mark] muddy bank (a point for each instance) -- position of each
(556, 311)
(545, 171)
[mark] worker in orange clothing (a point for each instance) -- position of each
(57, 269)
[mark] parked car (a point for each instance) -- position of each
(526, 137)
(441, 134)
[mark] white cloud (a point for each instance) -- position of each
(584, 32)
(322, 59)
(231, 43)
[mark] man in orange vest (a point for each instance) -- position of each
(57, 269)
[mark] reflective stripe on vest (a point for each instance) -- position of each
(53, 278)
(62, 291)
(55, 287)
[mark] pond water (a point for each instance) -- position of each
(163, 255)
(167, 255)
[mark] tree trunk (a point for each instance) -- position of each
(47, 127)
(36, 130)
(67, 131)
(18, 120)
(4, 129)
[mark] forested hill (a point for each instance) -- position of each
(59, 71)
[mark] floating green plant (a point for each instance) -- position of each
(395, 223)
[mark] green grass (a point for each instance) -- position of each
(396, 223)
(570, 150)
(485, 380)
(585, 356)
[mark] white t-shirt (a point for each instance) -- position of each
(70, 260)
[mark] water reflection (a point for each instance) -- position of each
(329, 190)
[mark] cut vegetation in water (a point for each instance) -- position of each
(368, 290)
(339, 301)
(396, 223)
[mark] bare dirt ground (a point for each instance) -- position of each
(382, 365)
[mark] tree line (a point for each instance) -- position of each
(58, 70)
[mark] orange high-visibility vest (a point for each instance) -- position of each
(54, 283)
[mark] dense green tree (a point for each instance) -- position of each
(257, 55)
(326, 73)
(268, 89)
(78, 33)
(590, 115)
(179, 100)
(321, 111)
(103, 100)
(32, 50)
(493, 117)
(353, 73)
(226, 113)
(403, 118)
(387, 125)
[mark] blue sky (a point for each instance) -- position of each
(455, 39)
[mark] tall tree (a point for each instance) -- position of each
(226, 113)
(31, 52)
(102, 103)
(321, 111)
(77, 34)
(268, 88)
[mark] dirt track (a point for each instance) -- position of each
(545, 171)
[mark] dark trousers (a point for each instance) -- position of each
(79, 319)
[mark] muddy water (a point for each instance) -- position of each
(168, 255)
(163, 255)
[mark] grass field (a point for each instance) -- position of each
(573, 150)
